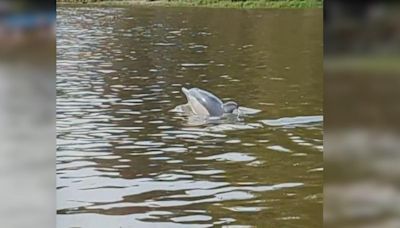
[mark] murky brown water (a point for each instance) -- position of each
(125, 160)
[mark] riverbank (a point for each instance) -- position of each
(202, 3)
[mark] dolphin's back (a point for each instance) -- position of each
(203, 102)
(208, 100)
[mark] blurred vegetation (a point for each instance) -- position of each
(388, 64)
(207, 3)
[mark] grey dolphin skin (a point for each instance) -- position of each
(207, 104)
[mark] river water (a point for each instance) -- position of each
(125, 160)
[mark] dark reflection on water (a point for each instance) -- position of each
(125, 160)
